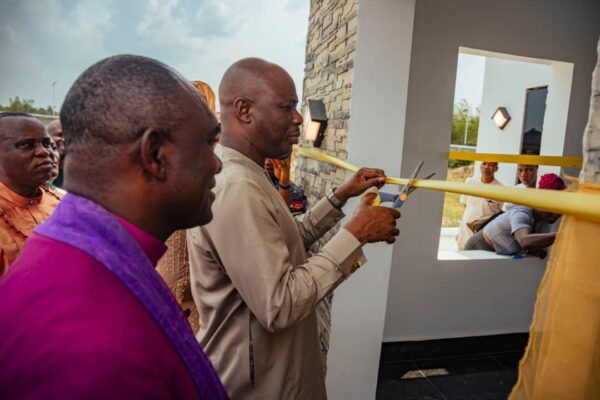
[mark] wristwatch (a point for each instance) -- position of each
(333, 199)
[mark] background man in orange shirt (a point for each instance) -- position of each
(26, 164)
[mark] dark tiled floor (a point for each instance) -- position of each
(482, 367)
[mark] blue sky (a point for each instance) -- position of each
(469, 79)
(55, 40)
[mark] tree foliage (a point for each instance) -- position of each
(26, 105)
(464, 120)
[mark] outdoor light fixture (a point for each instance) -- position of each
(501, 117)
(315, 121)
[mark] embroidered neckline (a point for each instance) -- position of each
(12, 226)
(34, 201)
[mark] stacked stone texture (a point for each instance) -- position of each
(329, 68)
(590, 172)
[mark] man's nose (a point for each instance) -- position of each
(297, 118)
(42, 151)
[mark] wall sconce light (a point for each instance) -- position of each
(315, 121)
(501, 117)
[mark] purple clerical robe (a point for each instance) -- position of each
(73, 328)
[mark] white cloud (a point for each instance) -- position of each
(177, 23)
(49, 41)
(89, 19)
(270, 29)
(55, 40)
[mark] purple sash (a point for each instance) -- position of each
(85, 225)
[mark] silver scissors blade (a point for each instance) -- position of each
(406, 187)
(413, 188)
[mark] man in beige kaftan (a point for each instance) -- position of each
(255, 287)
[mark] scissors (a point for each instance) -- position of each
(398, 199)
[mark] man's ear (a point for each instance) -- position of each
(153, 153)
(241, 107)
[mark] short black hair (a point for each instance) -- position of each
(115, 100)
(5, 114)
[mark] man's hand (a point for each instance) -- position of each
(281, 169)
(363, 179)
(540, 253)
(371, 224)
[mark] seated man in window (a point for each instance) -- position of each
(512, 233)
(477, 208)
(527, 175)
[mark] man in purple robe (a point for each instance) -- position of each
(83, 313)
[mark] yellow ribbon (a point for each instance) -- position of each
(582, 205)
(560, 161)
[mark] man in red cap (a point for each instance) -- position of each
(512, 233)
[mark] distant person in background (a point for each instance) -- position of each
(527, 175)
(55, 131)
(512, 233)
(279, 172)
(55, 172)
(475, 207)
(207, 93)
(26, 165)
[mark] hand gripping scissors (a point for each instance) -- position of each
(397, 199)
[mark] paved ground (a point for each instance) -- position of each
(466, 368)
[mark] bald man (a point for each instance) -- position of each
(89, 317)
(26, 164)
(255, 287)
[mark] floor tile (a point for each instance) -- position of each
(461, 365)
(396, 371)
(509, 360)
(442, 348)
(394, 352)
(504, 343)
(470, 377)
(465, 368)
(408, 389)
(482, 386)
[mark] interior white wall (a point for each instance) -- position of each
(555, 120)
(378, 111)
(429, 298)
(505, 84)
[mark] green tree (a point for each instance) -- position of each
(26, 105)
(463, 119)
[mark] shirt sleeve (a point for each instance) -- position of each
(252, 249)
(520, 218)
(318, 220)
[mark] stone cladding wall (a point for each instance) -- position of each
(329, 67)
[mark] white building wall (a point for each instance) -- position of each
(430, 298)
(505, 85)
(400, 115)
(555, 120)
(375, 138)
